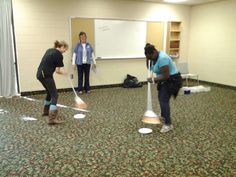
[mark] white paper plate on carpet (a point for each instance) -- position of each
(79, 116)
(145, 130)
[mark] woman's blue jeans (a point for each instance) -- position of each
(83, 72)
(164, 101)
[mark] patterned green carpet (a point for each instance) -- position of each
(107, 142)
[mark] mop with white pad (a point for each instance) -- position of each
(150, 117)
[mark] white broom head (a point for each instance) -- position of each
(150, 113)
(79, 103)
(151, 117)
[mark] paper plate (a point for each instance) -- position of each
(145, 130)
(79, 116)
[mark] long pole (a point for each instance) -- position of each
(149, 92)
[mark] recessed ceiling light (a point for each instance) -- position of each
(175, 1)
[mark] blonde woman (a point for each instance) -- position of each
(52, 61)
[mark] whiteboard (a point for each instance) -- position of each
(119, 39)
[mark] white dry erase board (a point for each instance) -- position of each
(119, 39)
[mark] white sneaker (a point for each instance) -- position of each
(166, 128)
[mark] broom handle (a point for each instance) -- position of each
(72, 86)
(70, 69)
(150, 73)
(149, 67)
(149, 93)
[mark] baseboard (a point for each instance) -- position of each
(120, 85)
(213, 84)
(217, 85)
(70, 89)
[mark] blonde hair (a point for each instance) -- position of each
(60, 44)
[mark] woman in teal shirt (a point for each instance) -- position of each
(168, 79)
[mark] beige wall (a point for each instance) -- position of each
(39, 22)
(212, 51)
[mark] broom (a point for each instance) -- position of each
(150, 117)
(79, 103)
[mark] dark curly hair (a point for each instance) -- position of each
(149, 49)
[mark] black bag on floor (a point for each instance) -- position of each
(131, 82)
